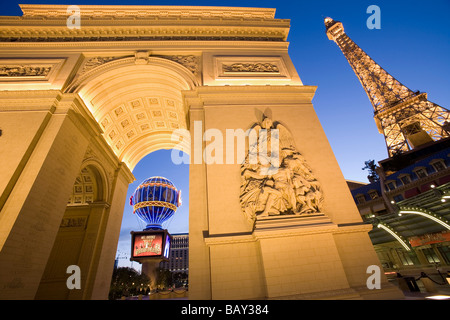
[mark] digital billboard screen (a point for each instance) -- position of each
(147, 244)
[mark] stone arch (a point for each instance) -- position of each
(78, 234)
(127, 98)
(138, 103)
(101, 184)
(89, 186)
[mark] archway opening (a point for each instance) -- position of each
(137, 106)
(77, 236)
(157, 163)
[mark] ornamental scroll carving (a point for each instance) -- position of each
(24, 71)
(95, 62)
(251, 67)
(190, 62)
(290, 189)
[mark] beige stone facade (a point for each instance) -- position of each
(80, 107)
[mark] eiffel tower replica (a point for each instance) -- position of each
(406, 118)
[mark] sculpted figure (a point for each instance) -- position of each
(287, 188)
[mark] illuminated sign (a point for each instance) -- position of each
(167, 247)
(149, 244)
(429, 238)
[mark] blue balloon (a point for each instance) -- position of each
(155, 200)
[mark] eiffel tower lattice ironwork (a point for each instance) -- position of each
(406, 118)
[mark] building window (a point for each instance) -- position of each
(404, 258)
(431, 255)
(445, 253)
(421, 173)
(438, 165)
(360, 199)
(373, 194)
(390, 185)
(405, 179)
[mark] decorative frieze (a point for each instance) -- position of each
(142, 33)
(251, 67)
(18, 71)
(246, 69)
(24, 71)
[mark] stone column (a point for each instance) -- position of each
(45, 143)
(108, 232)
(150, 268)
(89, 256)
(199, 262)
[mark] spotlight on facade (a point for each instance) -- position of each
(438, 297)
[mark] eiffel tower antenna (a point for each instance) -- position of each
(406, 118)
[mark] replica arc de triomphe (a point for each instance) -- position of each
(81, 105)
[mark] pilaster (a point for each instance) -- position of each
(199, 255)
(39, 188)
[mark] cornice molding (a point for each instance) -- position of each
(198, 45)
(288, 231)
(140, 33)
(48, 23)
(216, 95)
(29, 100)
(148, 10)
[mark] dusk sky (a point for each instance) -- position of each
(413, 45)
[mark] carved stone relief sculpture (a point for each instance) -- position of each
(24, 71)
(191, 62)
(95, 62)
(251, 67)
(287, 189)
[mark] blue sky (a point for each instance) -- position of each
(412, 45)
